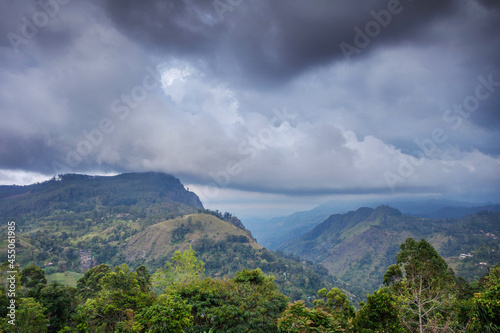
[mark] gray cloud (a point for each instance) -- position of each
(67, 95)
(266, 41)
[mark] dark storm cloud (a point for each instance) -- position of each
(37, 22)
(352, 122)
(267, 40)
(26, 152)
(491, 3)
(175, 26)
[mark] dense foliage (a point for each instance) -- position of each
(222, 280)
(379, 314)
(74, 216)
(75, 222)
(486, 308)
(358, 246)
(296, 278)
(423, 295)
(424, 286)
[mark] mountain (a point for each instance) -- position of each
(274, 232)
(74, 222)
(62, 221)
(158, 242)
(73, 192)
(359, 246)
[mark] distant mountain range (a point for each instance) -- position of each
(358, 246)
(274, 232)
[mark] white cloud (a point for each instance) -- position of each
(21, 177)
(352, 122)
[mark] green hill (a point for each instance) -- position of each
(225, 249)
(158, 242)
(61, 221)
(276, 231)
(359, 246)
(74, 222)
(140, 194)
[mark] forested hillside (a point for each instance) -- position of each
(145, 256)
(75, 222)
(358, 246)
(421, 294)
(274, 232)
(153, 194)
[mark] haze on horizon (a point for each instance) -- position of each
(270, 106)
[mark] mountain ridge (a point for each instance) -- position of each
(359, 246)
(167, 186)
(74, 222)
(276, 231)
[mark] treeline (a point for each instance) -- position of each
(295, 278)
(60, 252)
(421, 294)
(71, 198)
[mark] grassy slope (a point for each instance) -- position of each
(156, 240)
(359, 249)
(138, 219)
(68, 278)
(208, 236)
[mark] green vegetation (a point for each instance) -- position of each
(137, 253)
(486, 308)
(423, 295)
(332, 312)
(424, 286)
(184, 267)
(68, 278)
(31, 316)
(379, 314)
(73, 223)
(233, 305)
(358, 246)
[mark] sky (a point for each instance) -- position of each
(259, 107)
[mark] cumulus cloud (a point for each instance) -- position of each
(257, 99)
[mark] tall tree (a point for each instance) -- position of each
(33, 280)
(183, 267)
(168, 314)
(336, 303)
(424, 286)
(90, 284)
(144, 278)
